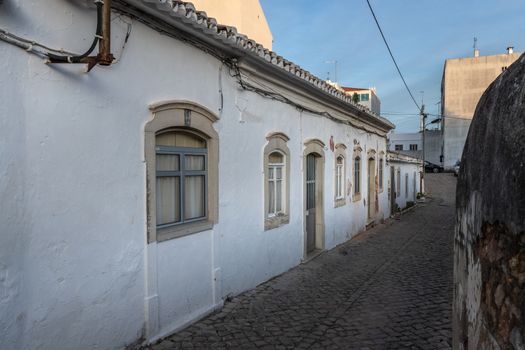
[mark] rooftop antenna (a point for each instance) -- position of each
(476, 51)
(335, 69)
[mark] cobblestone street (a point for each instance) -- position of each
(389, 288)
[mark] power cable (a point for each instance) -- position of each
(391, 55)
(274, 95)
(47, 52)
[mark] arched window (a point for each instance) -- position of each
(276, 177)
(276, 181)
(339, 181)
(181, 172)
(181, 152)
(340, 175)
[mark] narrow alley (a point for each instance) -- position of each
(388, 288)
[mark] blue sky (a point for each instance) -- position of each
(421, 34)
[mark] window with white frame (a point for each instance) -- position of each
(339, 178)
(340, 175)
(276, 181)
(339, 181)
(276, 176)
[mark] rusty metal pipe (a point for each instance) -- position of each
(104, 56)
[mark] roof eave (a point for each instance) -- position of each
(151, 11)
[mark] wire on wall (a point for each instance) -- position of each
(232, 64)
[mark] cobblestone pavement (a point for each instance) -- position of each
(389, 288)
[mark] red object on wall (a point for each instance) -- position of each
(332, 146)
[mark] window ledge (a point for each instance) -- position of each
(339, 202)
(356, 197)
(276, 221)
(167, 233)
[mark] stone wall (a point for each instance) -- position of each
(489, 271)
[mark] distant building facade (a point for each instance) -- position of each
(464, 81)
(406, 143)
(411, 144)
(366, 97)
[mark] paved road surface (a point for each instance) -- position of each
(389, 288)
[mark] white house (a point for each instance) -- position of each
(138, 196)
(405, 180)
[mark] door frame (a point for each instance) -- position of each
(316, 147)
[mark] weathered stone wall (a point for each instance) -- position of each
(489, 271)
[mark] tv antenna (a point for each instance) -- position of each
(335, 69)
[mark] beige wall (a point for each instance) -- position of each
(465, 80)
(245, 15)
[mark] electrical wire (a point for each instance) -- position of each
(392, 56)
(98, 36)
(414, 114)
(126, 38)
(281, 98)
(47, 52)
(33, 43)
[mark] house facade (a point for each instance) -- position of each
(140, 195)
(405, 180)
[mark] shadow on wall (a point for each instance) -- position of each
(489, 257)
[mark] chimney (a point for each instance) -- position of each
(510, 50)
(476, 52)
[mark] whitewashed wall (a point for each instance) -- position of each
(414, 172)
(75, 269)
